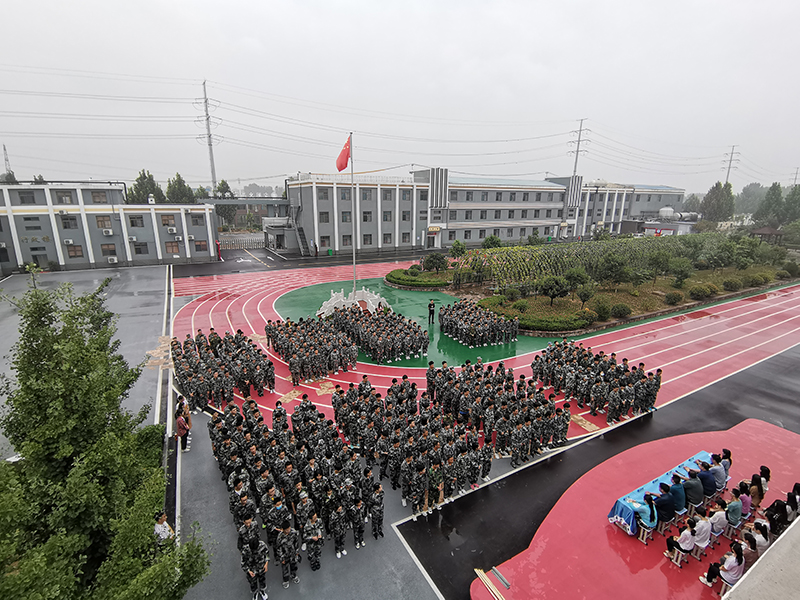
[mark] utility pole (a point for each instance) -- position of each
(210, 141)
(8, 162)
(578, 147)
(731, 158)
(795, 173)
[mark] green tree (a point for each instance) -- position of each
(601, 235)
(458, 249)
(681, 268)
(718, 203)
(534, 239)
(791, 233)
(791, 206)
(492, 242)
(658, 263)
(178, 192)
(692, 203)
(434, 262)
(201, 193)
(576, 277)
(227, 212)
(704, 226)
(90, 473)
(748, 200)
(585, 293)
(614, 270)
(772, 211)
(553, 286)
(141, 189)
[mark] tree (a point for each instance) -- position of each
(585, 293)
(492, 242)
(772, 210)
(718, 203)
(791, 233)
(8, 177)
(614, 270)
(201, 193)
(227, 212)
(601, 234)
(692, 203)
(458, 249)
(91, 478)
(534, 239)
(748, 200)
(178, 192)
(658, 263)
(791, 206)
(39, 179)
(704, 226)
(576, 277)
(141, 189)
(681, 268)
(434, 262)
(553, 286)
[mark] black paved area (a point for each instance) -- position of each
(497, 522)
(135, 294)
(242, 261)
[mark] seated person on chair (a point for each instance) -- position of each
(702, 531)
(749, 550)
(692, 487)
(665, 504)
(678, 494)
(734, 510)
(718, 471)
(706, 477)
(645, 512)
(684, 543)
(730, 567)
(719, 517)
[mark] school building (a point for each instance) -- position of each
(60, 226)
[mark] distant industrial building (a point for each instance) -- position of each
(432, 209)
(61, 226)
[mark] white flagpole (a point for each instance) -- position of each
(355, 216)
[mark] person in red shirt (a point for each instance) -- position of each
(183, 424)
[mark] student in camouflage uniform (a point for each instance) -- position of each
(287, 552)
(314, 539)
(255, 562)
(376, 510)
(338, 524)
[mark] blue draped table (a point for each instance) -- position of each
(623, 514)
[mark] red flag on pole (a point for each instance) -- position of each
(344, 156)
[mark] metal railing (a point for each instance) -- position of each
(242, 242)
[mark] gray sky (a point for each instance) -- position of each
(666, 87)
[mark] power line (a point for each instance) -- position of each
(153, 99)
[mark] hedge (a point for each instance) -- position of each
(400, 277)
(732, 285)
(783, 274)
(673, 298)
(699, 292)
(621, 311)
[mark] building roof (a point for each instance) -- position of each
(766, 231)
(498, 182)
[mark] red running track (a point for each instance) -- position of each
(694, 349)
(610, 564)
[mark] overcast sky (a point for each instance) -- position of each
(102, 89)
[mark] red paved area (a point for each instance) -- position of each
(576, 553)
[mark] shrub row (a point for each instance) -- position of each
(403, 277)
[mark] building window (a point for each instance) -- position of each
(387, 195)
(512, 197)
(108, 249)
(497, 214)
(423, 196)
(522, 232)
(366, 216)
(599, 212)
(406, 195)
(453, 215)
(366, 195)
(608, 212)
(201, 246)
(511, 214)
(168, 220)
(173, 247)
(26, 198)
(509, 232)
(469, 196)
(538, 196)
(136, 220)
(406, 215)
(547, 231)
(451, 235)
(649, 197)
(406, 237)
(468, 215)
(387, 238)
(560, 214)
(324, 217)
(346, 216)
(33, 228)
(483, 214)
(468, 234)
(423, 215)
(498, 196)
(198, 220)
(99, 198)
(69, 222)
(63, 197)
(140, 248)
(638, 197)
(367, 237)
(324, 241)
(347, 240)
(322, 194)
(481, 234)
(548, 214)
(453, 196)
(580, 212)
(524, 196)
(344, 195)
(550, 196)
(524, 214)
(496, 232)
(484, 196)
(437, 215)
(75, 251)
(103, 221)
(387, 216)
(536, 214)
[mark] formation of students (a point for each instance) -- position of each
(474, 326)
(383, 336)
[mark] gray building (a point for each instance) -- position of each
(88, 225)
(432, 209)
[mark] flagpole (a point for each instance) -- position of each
(355, 216)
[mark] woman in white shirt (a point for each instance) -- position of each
(162, 530)
(684, 543)
(730, 568)
(761, 533)
(719, 519)
(702, 531)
